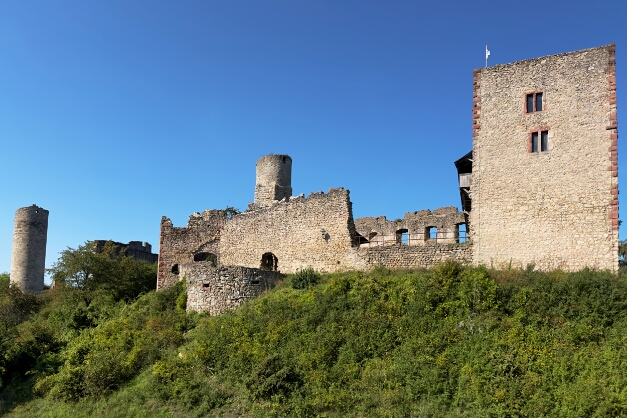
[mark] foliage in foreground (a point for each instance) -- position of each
(451, 341)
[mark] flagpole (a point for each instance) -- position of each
(487, 54)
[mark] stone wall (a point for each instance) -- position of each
(28, 256)
(413, 256)
(219, 289)
(556, 208)
(135, 249)
(421, 227)
(292, 231)
(179, 245)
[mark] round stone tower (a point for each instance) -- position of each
(28, 260)
(274, 179)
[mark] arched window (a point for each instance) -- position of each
(270, 262)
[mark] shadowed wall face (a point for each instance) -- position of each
(28, 259)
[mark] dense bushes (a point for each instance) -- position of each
(305, 278)
(451, 341)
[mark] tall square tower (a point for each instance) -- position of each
(544, 182)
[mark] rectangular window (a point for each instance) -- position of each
(534, 103)
(538, 102)
(540, 141)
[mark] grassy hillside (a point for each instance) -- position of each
(451, 341)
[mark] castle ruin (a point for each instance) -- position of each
(539, 188)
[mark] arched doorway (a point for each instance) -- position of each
(270, 262)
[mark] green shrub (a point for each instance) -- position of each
(305, 278)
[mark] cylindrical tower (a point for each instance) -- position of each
(28, 259)
(274, 179)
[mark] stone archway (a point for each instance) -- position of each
(269, 261)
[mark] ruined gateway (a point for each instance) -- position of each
(540, 187)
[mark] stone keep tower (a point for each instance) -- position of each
(544, 183)
(28, 260)
(274, 179)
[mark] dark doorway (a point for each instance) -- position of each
(270, 262)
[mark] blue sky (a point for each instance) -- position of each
(115, 113)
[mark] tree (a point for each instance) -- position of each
(622, 253)
(95, 271)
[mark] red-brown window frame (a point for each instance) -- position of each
(525, 110)
(538, 129)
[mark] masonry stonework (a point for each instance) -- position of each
(553, 208)
(179, 245)
(538, 188)
(274, 179)
(28, 257)
(317, 231)
(218, 289)
(136, 249)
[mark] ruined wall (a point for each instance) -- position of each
(556, 208)
(291, 230)
(28, 257)
(135, 249)
(441, 226)
(179, 245)
(217, 290)
(415, 256)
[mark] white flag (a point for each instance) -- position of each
(487, 52)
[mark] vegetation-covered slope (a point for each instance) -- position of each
(451, 341)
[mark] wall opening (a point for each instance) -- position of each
(175, 269)
(270, 262)
(402, 236)
(461, 233)
(361, 239)
(431, 233)
(205, 256)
